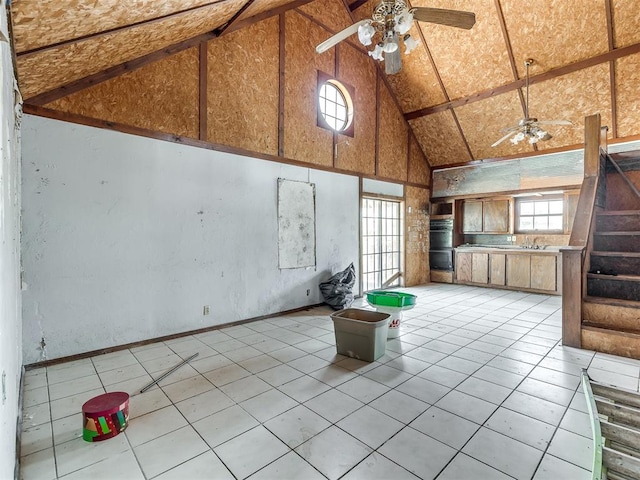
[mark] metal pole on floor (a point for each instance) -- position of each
(167, 373)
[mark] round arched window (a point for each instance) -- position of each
(335, 105)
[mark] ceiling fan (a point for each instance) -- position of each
(529, 127)
(392, 19)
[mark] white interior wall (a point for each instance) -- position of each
(126, 238)
(378, 187)
(10, 323)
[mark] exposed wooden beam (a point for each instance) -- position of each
(203, 74)
(235, 18)
(612, 68)
(261, 16)
(444, 91)
(110, 31)
(144, 132)
(557, 72)
(116, 70)
(376, 164)
(512, 60)
(357, 4)
(281, 82)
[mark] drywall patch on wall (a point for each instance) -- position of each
(296, 224)
(10, 323)
(125, 238)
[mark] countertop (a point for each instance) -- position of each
(509, 248)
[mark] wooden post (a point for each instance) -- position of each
(571, 296)
(592, 145)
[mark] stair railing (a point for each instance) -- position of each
(576, 256)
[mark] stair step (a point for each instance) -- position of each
(615, 302)
(626, 287)
(622, 241)
(612, 313)
(622, 343)
(622, 263)
(618, 221)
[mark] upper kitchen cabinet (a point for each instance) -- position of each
(472, 216)
(486, 216)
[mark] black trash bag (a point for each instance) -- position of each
(338, 290)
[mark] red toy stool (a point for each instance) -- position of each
(105, 416)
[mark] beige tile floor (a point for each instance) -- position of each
(476, 387)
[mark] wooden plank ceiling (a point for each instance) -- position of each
(457, 91)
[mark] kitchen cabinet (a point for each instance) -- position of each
(485, 216)
(480, 268)
(518, 270)
(543, 272)
(495, 215)
(497, 272)
(472, 216)
(463, 265)
(511, 268)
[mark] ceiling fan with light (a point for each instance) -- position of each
(529, 127)
(392, 19)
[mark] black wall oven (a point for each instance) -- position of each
(441, 244)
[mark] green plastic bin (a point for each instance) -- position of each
(392, 303)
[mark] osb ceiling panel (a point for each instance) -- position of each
(161, 96)
(626, 19)
(38, 23)
(261, 6)
(418, 166)
(440, 139)
(464, 58)
(51, 68)
(416, 86)
(628, 100)
(483, 121)
(62, 41)
(559, 33)
(365, 10)
(358, 153)
(331, 13)
(252, 110)
(572, 97)
(393, 149)
(303, 140)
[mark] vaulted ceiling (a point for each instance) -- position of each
(457, 90)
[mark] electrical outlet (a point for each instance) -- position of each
(205, 310)
(308, 292)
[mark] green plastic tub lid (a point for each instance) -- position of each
(391, 299)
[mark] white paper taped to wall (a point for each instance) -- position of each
(296, 224)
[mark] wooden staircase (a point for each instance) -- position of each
(611, 309)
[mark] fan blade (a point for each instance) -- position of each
(504, 138)
(511, 129)
(340, 36)
(441, 16)
(554, 122)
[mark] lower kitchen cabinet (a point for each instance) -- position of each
(497, 268)
(480, 268)
(543, 272)
(516, 270)
(519, 271)
(463, 267)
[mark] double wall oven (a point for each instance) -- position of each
(441, 244)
